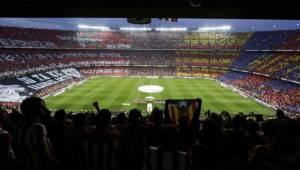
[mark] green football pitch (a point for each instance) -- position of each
(121, 94)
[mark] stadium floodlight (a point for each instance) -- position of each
(171, 29)
(102, 28)
(221, 28)
(135, 29)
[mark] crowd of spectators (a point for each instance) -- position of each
(214, 40)
(152, 71)
(200, 72)
(105, 71)
(11, 43)
(277, 64)
(144, 57)
(284, 65)
(9, 105)
(128, 71)
(20, 61)
(206, 58)
(56, 87)
(283, 95)
(34, 140)
(269, 40)
(292, 42)
(278, 93)
(25, 37)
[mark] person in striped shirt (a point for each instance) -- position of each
(30, 141)
(168, 156)
(7, 157)
(100, 144)
(75, 138)
(131, 152)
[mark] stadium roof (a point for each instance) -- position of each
(251, 9)
(237, 25)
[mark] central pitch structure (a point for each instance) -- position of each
(150, 99)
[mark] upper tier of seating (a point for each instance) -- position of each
(42, 38)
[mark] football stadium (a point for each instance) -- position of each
(231, 70)
(150, 93)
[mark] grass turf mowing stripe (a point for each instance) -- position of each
(214, 101)
(83, 100)
(99, 89)
(167, 90)
(121, 93)
(131, 95)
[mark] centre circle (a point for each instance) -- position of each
(150, 89)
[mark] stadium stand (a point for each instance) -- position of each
(276, 64)
(155, 54)
(23, 37)
(268, 40)
(276, 92)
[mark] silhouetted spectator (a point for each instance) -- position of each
(168, 156)
(186, 134)
(75, 138)
(57, 132)
(31, 144)
(281, 148)
(131, 153)
(155, 128)
(99, 146)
